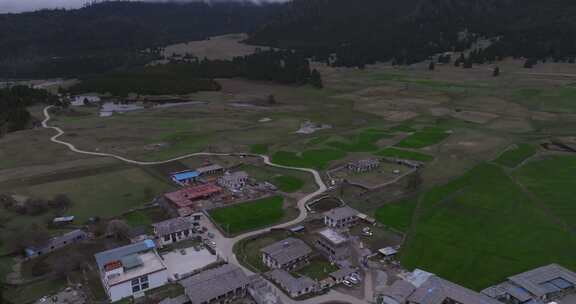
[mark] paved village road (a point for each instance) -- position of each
(225, 245)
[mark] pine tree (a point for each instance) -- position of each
(316, 79)
(431, 66)
(496, 72)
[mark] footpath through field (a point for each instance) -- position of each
(224, 244)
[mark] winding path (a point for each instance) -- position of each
(225, 245)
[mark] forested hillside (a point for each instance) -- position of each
(408, 31)
(112, 34)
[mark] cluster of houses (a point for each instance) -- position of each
(538, 286)
(209, 186)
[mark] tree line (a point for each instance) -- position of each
(190, 74)
(345, 33)
(110, 34)
(14, 115)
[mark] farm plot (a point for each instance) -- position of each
(481, 228)
(250, 215)
(515, 156)
(405, 154)
(317, 158)
(397, 215)
(426, 137)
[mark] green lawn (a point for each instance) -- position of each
(317, 158)
(515, 156)
(559, 99)
(104, 195)
(318, 269)
(481, 228)
(259, 149)
(397, 215)
(405, 154)
(145, 217)
(424, 138)
(364, 141)
(250, 215)
(288, 183)
(552, 181)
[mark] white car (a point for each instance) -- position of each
(352, 280)
(347, 283)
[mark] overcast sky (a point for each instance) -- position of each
(17, 6)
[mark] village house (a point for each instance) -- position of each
(57, 242)
(210, 170)
(421, 287)
(287, 254)
(295, 287)
(342, 217)
(81, 100)
(218, 285)
(174, 230)
(189, 200)
(184, 178)
(363, 165)
(546, 283)
(333, 244)
(233, 181)
(132, 269)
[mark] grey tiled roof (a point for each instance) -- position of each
(290, 283)
(535, 280)
(64, 239)
(209, 168)
(173, 225)
(215, 282)
(341, 213)
(435, 290)
(287, 250)
(399, 291)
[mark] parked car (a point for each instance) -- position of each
(352, 280)
(356, 276)
(347, 283)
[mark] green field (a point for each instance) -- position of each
(513, 157)
(397, 215)
(551, 180)
(405, 154)
(288, 183)
(364, 141)
(481, 228)
(250, 215)
(424, 138)
(259, 149)
(558, 99)
(318, 158)
(104, 195)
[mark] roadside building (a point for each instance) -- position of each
(210, 170)
(233, 181)
(56, 243)
(333, 244)
(287, 254)
(186, 201)
(218, 285)
(421, 287)
(342, 217)
(546, 283)
(295, 287)
(261, 291)
(341, 274)
(80, 100)
(130, 270)
(364, 165)
(184, 178)
(63, 220)
(174, 230)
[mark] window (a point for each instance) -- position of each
(144, 279)
(136, 288)
(166, 238)
(135, 282)
(144, 286)
(140, 284)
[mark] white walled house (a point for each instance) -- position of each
(342, 217)
(131, 269)
(233, 181)
(81, 100)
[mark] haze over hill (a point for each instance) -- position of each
(19, 6)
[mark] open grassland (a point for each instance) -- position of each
(364, 141)
(288, 183)
(285, 180)
(104, 195)
(424, 138)
(481, 228)
(516, 155)
(397, 215)
(405, 154)
(250, 215)
(551, 180)
(317, 158)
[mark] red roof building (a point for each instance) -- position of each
(188, 196)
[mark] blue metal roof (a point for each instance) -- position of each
(116, 254)
(185, 175)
